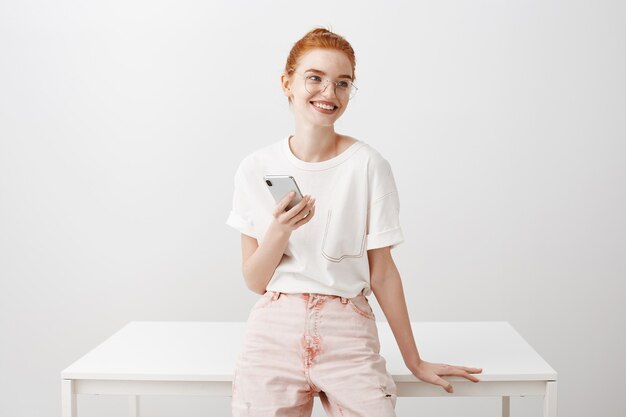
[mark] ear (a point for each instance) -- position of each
(284, 81)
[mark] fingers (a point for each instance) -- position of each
(306, 215)
(445, 384)
(431, 375)
(282, 205)
(455, 371)
(470, 377)
(432, 372)
(463, 371)
(296, 209)
(467, 371)
(297, 215)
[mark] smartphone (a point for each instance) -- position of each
(281, 185)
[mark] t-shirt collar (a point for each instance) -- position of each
(316, 166)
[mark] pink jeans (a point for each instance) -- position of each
(299, 344)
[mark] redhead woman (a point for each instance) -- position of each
(315, 264)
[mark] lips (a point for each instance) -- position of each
(326, 103)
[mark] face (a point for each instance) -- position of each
(334, 64)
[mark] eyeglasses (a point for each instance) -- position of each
(343, 88)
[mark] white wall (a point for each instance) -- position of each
(122, 122)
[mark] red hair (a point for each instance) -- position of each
(319, 38)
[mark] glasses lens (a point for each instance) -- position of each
(343, 89)
(313, 84)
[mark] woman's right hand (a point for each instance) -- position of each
(295, 217)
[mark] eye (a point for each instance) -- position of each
(344, 84)
(314, 78)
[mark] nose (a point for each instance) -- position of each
(329, 90)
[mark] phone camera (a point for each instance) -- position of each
(268, 182)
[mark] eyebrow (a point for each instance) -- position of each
(323, 73)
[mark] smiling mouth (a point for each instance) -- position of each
(313, 103)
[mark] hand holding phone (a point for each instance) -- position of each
(292, 209)
(281, 185)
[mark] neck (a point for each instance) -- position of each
(314, 143)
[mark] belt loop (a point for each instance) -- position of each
(344, 300)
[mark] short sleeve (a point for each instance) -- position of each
(240, 216)
(383, 214)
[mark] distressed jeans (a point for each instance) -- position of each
(299, 344)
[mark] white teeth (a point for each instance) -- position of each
(323, 106)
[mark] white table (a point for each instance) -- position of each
(198, 358)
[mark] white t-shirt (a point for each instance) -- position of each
(357, 209)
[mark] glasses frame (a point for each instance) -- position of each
(327, 81)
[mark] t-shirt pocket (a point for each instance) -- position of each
(344, 234)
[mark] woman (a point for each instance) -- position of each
(313, 330)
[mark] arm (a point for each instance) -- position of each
(260, 261)
(387, 287)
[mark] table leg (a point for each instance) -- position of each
(68, 398)
(506, 406)
(549, 400)
(133, 405)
